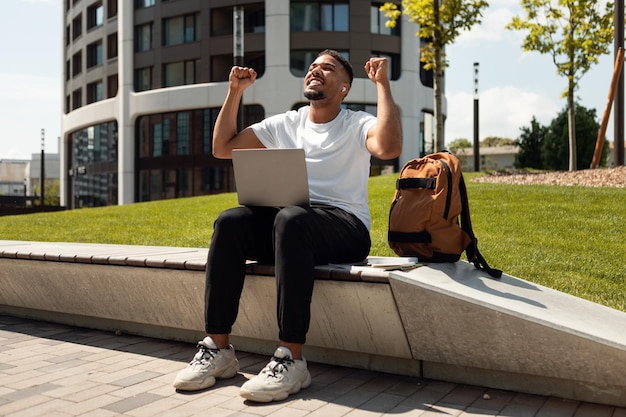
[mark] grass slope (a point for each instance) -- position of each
(571, 239)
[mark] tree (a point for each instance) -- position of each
(575, 33)
(495, 141)
(459, 145)
(555, 144)
(530, 143)
(440, 22)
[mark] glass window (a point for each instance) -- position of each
(77, 63)
(157, 139)
(320, 16)
(77, 27)
(94, 54)
(378, 21)
(112, 45)
(182, 133)
(111, 8)
(143, 79)
(141, 4)
(77, 99)
(95, 15)
(179, 73)
(95, 92)
(143, 37)
(175, 158)
(426, 76)
(182, 29)
(112, 81)
(94, 166)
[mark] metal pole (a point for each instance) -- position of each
(476, 140)
(238, 54)
(42, 185)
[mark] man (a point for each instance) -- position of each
(338, 145)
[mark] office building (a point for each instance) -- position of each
(144, 81)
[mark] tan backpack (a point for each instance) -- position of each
(424, 215)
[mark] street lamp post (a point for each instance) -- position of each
(42, 185)
(476, 141)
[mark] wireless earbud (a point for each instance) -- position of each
(343, 90)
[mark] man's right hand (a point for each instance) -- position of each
(241, 78)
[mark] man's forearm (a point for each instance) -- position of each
(225, 127)
(389, 124)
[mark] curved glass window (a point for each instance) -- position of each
(175, 158)
(93, 167)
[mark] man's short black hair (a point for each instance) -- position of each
(346, 64)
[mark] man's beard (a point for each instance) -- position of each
(313, 95)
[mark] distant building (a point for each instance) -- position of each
(491, 158)
(13, 177)
(145, 79)
(22, 177)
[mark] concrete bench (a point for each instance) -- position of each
(441, 321)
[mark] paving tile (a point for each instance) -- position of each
(594, 410)
(557, 407)
(462, 396)
(493, 399)
(135, 378)
(478, 412)
(53, 370)
(126, 404)
(45, 408)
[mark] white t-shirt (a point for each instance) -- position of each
(337, 160)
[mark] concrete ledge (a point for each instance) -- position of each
(444, 321)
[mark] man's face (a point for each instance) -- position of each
(325, 77)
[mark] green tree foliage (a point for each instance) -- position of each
(52, 192)
(575, 33)
(530, 142)
(495, 141)
(440, 22)
(554, 150)
(546, 147)
(458, 145)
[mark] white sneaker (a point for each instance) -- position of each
(209, 363)
(281, 377)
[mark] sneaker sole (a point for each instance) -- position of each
(208, 382)
(194, 386)
(266, 397)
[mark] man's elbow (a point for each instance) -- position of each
(390, 152)
(220, 153)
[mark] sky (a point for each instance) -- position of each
(513, 85)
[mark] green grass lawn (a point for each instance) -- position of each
(572, 239)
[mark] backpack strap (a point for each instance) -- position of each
(472, 252)
(404, 183)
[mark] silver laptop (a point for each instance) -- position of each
(271, 177)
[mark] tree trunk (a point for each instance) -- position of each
(438, 81)
(571, 124)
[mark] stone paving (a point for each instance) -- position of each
(55, 370)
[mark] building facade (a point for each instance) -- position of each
(144, 81)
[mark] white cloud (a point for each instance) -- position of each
(502, 112)
(491, 28)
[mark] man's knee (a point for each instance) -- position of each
(292, 219)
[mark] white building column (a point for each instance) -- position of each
(126, 142)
